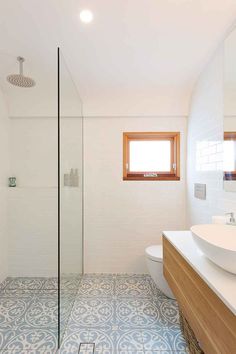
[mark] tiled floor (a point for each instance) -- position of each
(29, 313)
(123, 314)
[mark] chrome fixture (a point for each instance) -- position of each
(232, 220)
(20, 79)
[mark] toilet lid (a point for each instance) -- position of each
(155, 253)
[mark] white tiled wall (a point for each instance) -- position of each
(124, 217)
(121, 218)
(33, 204)
(205, 146)
(209, 155)
(4, 173)
(32, 231)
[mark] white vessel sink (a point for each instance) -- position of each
(218, 243)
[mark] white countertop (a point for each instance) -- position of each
(221, 282)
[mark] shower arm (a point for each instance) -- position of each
(21, 61)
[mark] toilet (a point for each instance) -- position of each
(154, 259)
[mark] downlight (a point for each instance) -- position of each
(86, 16)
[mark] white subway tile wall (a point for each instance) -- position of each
(32, 206)
(122, 218)
(205, 146)
(4, 174)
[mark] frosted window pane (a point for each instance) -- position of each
(229, 157)
(150, 156)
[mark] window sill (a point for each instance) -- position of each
(164, 178)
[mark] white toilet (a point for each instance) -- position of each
(154, 258)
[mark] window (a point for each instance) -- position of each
(151, 156)
(230, 156)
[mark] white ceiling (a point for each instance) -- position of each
(138, 57)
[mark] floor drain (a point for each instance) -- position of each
(86, 348)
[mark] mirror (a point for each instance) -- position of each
(230, 113)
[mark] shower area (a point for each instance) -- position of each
(41, 233)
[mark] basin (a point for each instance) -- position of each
(218, 243)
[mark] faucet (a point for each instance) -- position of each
(232, 220)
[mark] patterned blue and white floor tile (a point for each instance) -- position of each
(119, 314)
(29, 313)
(123, 314)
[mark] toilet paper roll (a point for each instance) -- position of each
(219, 219)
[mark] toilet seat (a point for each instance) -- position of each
(155, 253)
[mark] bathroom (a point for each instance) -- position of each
(102, 250)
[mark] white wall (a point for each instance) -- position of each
(4, 174)
(230, 124)
(33, 204)
(205, 146)
(123, 217)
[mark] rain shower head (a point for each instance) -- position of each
(19, 79)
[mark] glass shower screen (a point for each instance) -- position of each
(70, 197)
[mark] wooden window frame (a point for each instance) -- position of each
(230, 175)
(173, 175)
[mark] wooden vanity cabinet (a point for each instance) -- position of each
(211, 320)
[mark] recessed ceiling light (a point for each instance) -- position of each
(86, 16)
